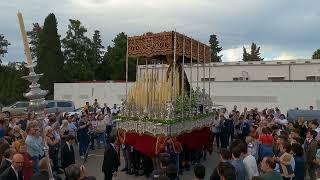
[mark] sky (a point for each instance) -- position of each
(285, 29)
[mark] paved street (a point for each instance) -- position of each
(95, 160)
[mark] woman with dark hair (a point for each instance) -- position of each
(297, 151)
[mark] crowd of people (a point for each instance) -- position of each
(252, 144)
(265, 145)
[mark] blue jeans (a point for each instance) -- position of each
(175, 158)
(101, 137)
(35, 166)
(83, 145)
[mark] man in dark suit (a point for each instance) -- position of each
(311, 151)
(43, 174)
(68, 152)
(14, 171)
(8, 155)
(111, 159)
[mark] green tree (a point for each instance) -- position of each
(3, 46)
(78, 53)
(114, 61)
(34, 38)
(316, 54)
(50, 60)
(97, 47)
(254, 55)
(215, 48)
(12, 85)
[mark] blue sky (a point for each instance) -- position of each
(285, 29)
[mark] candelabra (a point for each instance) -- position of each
(36, 97)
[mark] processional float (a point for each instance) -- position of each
(162, 105)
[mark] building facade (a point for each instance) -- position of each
(284, 84)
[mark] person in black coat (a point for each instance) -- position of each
(14, 171)
(111, 159)
(8, 154)
(68, 152)
(244, 129)
(43, 174)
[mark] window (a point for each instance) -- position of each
(240, 79)
(50, 105)
(207, 79)
(276, 79)
(313, 78)
(64, 104)
(21, 105)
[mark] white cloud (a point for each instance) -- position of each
(231, 55)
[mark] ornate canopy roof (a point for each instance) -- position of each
(162, 44)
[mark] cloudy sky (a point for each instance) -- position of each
(285, 29)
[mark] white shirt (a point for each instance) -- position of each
(250, 165)
(281, 121)
(114, 110)
(68, 146)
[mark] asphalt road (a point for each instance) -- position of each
(95, 160)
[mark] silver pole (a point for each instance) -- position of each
(137, 64)
(127, 70)
(191, 80)
(203, 64)
(210, 77)
(198, 65)
(182, 76)
(174, 65)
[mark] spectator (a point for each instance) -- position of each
(108, 121)
(111, 160)
(249, 162)
(8, 155)
(114, 110)
(43, 170)
(53, 144)
(267, 167)
(100, 129)
(64, 132)
(83, 135)
(286, 161)
(27, 164)
(225, 156)
(311, 146)
(199, 171)
(226, 171)
(14, 171)
(299, 167)
(237, 163)
(172, 172)
(67, 152)
(77, 172)
(34, 143)
(4, 145)
(216, 131)
(23, 122)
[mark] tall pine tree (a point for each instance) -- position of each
(34, 37)
(3, 46)
(254, 55)
(215, 48)
(114, 61)
(50, 60)
(316, 54)
(78, 53)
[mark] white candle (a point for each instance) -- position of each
(24, 38)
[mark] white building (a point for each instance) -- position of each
(283, 84)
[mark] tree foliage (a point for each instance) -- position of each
(3, 46)
(254, 55)
(78, 53)
(50, 58)
(12, 85)
(316, 54)
(114, 61)
(215, 48)
(34, 40)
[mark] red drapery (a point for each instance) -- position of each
(151, 145)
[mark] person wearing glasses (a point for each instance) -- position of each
(34, 143)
